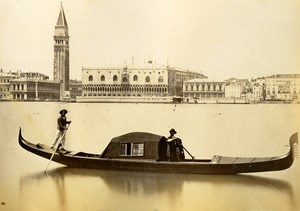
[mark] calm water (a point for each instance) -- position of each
(233, 130)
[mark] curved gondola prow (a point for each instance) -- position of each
(20, 136)
(25, 144)
(22, 140)
(38, 149)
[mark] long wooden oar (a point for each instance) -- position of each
(193, 157)
(56, 149)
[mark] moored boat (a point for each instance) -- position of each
(149, 152)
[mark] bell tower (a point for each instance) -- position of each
(61, 66)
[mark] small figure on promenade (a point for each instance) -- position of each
(61, 129)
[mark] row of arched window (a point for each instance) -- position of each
(61, 42)
(18, 86)
(32, 87)
(4, 80)
(125, 79)
(205, 95)
(120, 88)
(204, 87)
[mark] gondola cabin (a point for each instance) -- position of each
(139, 145)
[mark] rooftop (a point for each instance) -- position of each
(284, 76)
(34, 80)
(2, 74)
(204, 80)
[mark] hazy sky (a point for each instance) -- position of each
(220, 38)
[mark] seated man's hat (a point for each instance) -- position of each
(173, 130)
(63, 111)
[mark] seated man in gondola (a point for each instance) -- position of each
(170, 145)
(174, 147)
(172, 134)
(178, 153)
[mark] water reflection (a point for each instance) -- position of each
(136, 184)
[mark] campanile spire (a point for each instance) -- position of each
(61, 21)
(61, 67)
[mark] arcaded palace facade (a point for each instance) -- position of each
(203, 88)
(33, 86)
(34, 89)
(150, 79)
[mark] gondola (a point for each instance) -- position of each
(147, 152)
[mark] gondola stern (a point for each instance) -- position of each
(294, 144)
(294, 139)
(289, 160)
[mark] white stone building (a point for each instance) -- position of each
(234, 90)
(34, 89)
(5, 79)
(203, 89)
(285, 87)
(258, 92)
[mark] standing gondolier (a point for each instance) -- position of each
(61, 129)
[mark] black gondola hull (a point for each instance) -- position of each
(217, 165)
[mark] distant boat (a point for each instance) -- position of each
(146, 152)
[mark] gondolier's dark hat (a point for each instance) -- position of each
(173, 130)
(63, 111)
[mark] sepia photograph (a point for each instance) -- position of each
(149, 105)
